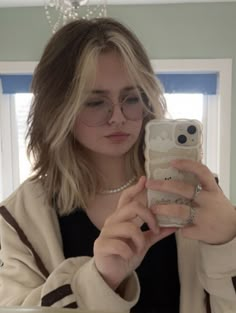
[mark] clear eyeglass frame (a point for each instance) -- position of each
(103, 109)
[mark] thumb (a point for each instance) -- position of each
(152, 238)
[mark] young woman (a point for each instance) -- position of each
(78, 233)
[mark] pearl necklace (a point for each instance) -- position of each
(115, 190)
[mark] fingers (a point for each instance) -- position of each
(204, 175)
(134, 241)
(130, 212)
(184, 189)
(173, 186)
(130, 193)
(120, 226)
(113, 246)
(151, 238)
(173, 210)
(130, 232)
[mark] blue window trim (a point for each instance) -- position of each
(172, 83)
(189, 83)
(12, 84)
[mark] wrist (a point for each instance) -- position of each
(110, 281)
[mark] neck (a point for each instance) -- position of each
(112, 170)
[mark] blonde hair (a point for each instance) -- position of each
(59, 87)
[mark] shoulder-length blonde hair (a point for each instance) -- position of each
(59, 86)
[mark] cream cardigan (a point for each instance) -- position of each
(34, 271)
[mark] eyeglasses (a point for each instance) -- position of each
(97, 112)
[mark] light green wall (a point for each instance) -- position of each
(167, 31)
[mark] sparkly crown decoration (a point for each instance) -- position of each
(60, 12)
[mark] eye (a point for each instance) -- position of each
(95, 103)
(131, 100)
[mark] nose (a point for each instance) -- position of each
(117, 115)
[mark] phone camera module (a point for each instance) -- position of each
(182, 139)
(192, 129)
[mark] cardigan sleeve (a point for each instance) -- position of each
(74, 283)
(217, 273)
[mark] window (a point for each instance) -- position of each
(22, 104)
(14, 165)
(185, 105)
(178, 107)
(203, 108)
(189, 106)
(14, 109)
(218, 110)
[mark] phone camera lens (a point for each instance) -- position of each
(191, 129)
(182, 139)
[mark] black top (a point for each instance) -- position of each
(158, 273)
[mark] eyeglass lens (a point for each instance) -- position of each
(98, 112)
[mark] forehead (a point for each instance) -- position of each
(111, 74)
(128, 89)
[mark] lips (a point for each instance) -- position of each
(118, 134)
(117, 137)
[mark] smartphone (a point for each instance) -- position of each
(167, 140)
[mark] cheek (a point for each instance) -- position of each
(92, 137)
(82, 133)
(137, 127)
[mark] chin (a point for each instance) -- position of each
(111, 149)
(115, 151)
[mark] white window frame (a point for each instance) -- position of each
(9, 161)
(222, 66)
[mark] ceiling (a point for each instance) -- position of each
(21, 3)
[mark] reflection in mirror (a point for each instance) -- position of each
(79, 233)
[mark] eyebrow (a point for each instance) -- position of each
(101, 91)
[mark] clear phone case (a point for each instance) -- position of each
(167, 140)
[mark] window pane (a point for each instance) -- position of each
(185, 106)
(189, 106)
(22, 106)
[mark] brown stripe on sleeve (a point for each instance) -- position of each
(207, 302)
(11, 221)
(234, 282)
(72, 305)
(56, 295)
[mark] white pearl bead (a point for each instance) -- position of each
(115, 190)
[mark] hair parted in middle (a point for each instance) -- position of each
(61, 79)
